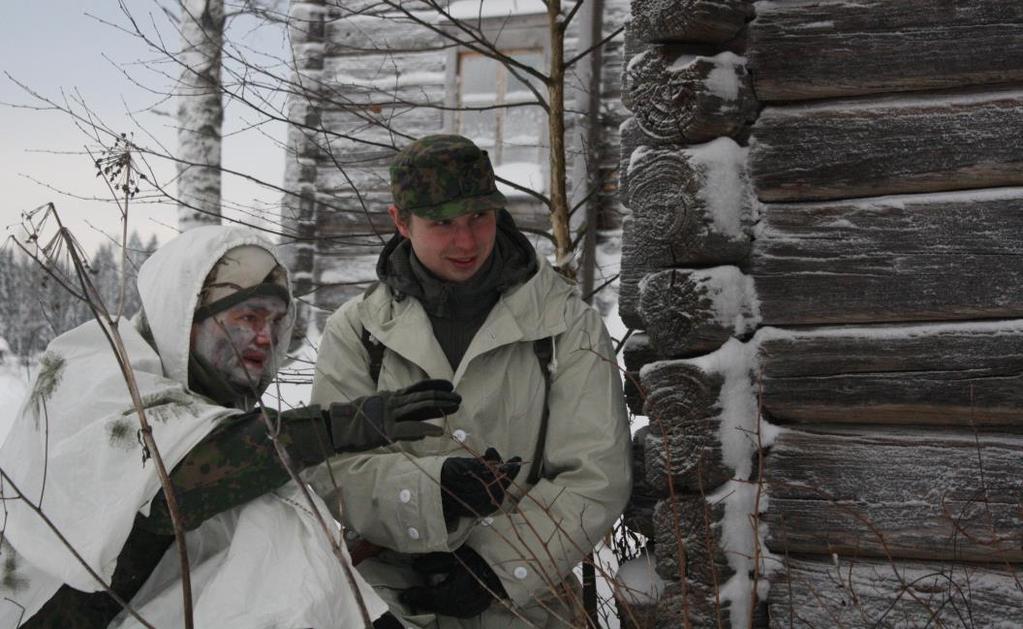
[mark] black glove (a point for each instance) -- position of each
(377, 420)
(475, 487)
(468, 588)
(387, 621)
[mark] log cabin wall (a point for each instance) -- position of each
(376, 82)
(824, 256)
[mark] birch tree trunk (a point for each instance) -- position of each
(556, 125)
(200, 113)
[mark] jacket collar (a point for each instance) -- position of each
(527, 312)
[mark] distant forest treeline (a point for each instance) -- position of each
(35, 308)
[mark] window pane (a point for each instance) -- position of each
(480, 127)
(479, 77)
(517, 90)
(523, 130)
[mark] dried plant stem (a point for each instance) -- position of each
(110, 330)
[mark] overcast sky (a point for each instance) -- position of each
(54, 45)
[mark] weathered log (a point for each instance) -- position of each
(639, 512)
(630, 137)
(710, 21)
(632, 45)
(842, 149)
(353, 220)
(936, 257)
(933, 495)
(863, 593)
(968, 374)
(694, 311)
(693, 463)
(819, 49)
(686, 99)
(692, 605)
(688, 527)
(690, 205)
(681, 397)
(382, 35)
(871, 260)
(637, 353)
(405, 79)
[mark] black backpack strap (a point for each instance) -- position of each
(375, 349)
(544, 350)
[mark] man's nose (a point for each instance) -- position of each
(265, 334)
(464, 237)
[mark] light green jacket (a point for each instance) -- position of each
(392, 496)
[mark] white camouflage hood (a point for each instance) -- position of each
(171, 280)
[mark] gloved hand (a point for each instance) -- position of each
(387, 621)
(379, 419)
(468, 588)
(475, 487)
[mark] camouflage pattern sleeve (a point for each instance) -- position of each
(238, 463)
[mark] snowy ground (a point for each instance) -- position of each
(13, 387)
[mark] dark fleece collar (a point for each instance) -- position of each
(512, 262)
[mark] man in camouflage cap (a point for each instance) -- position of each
(472, 535)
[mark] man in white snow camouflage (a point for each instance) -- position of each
(482, 526)
(216, 304)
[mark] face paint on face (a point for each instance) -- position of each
(239, 342)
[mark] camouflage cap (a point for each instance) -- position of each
(443, 176)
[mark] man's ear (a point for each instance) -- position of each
(399, 224)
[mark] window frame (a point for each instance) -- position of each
(514, 33)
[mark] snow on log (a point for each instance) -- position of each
(931, 495)
(895, 145)
(707, 21)
(704, 424)
(636, 588)
(694, 311)
(800, 49)
(865, 593)
(889, 259)
(708, 545)
(684, 99)
(690, 205)
(968, 374)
